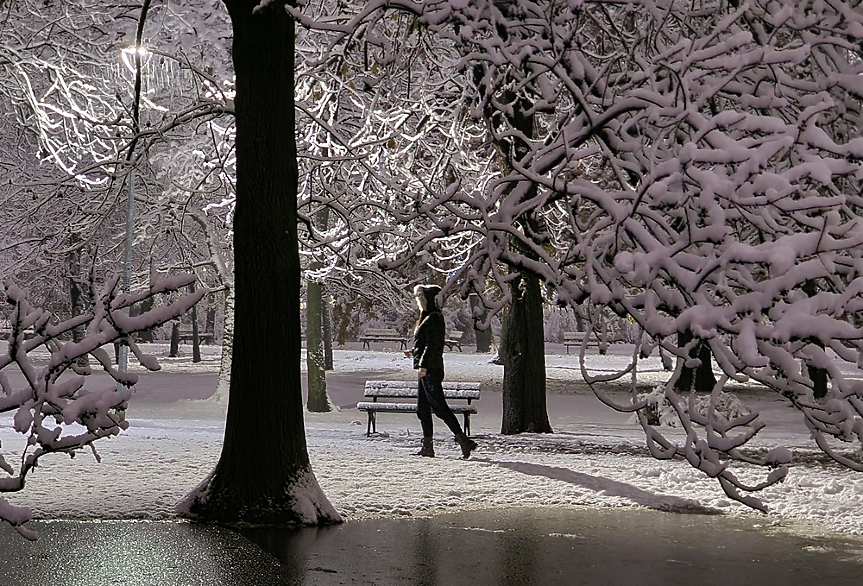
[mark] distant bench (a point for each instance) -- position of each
(380, 389)
(29, 334)
(383, 335)
(454, 339)
(577, 339)
(203, 337)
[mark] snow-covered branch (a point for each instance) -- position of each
(52, 409)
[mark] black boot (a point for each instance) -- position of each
(427, 449)
(467, 445)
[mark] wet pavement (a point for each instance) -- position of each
(506, 547)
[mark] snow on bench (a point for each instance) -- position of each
(379, 389)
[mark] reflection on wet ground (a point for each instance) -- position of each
(506, 547)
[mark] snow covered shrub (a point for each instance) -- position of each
(52, 410)
(725, 408)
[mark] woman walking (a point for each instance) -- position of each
(427, 354)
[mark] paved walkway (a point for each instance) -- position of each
(505, 547)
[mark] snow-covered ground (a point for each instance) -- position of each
(596, 457)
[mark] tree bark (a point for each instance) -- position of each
(523, 355)
(223, 387)
(264, 475)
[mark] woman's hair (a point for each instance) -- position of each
(427, 296)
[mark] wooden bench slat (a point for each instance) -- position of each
(411, 393)
(409, 407)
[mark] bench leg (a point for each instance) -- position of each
(467, 424)
(372, 425)
(366, 345)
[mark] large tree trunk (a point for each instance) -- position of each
(523, 355)
(522, 346)
(702, 375)
(264, 475)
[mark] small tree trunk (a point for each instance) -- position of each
(210, 319)
(603, 333)
(523, 353)
(175, 340)
(76, 296)
(483, 336)
(817, 375)
(328, 331)
(146, 335)
(317, 401)
(196, 340)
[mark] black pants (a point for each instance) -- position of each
(430, 399)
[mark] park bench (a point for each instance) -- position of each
(577, 338)
(454, 339)
(29, 334)
(383, 335)
(406, 392)
(203, 337)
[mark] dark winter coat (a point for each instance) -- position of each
(429, 342)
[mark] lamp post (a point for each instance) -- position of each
(126, 280)
(131, 58)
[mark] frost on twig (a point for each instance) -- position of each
(51, 409)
